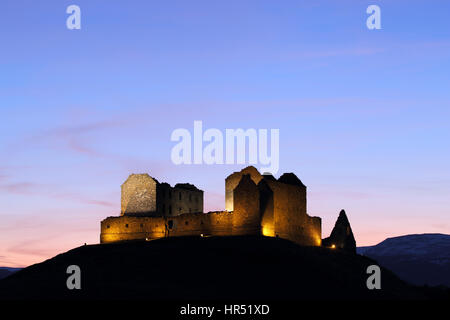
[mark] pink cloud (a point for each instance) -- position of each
(23, 249)
(28, 247)
(30, 188)
(79, 148)
(23, 188)
(355, 195)
(69, 135)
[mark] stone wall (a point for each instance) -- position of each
(284, 214)
(246, 214)
(186, 200)
(148, 228)
(267, 208)
(124, 228)
(143, 195)
(221, 223)
(182, 198)
(232, 181)
(138, 195)
(261, 205)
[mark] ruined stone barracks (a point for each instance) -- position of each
(255, 204)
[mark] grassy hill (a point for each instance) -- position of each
(206, 268)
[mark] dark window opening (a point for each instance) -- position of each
(186, 222)
(107, 227)
(142, 225)
(179, 196)
(170, 224)
(126, 226)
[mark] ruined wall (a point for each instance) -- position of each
(131, 228)
(311, 232)
(148, 228)
(188, 224)
(206, 224)
(163, 199)
(286, 208)
(178, 200)
(232, 181)
(260, 204)
(246, 214)
(186, 200)
(138, 195)
(341, 236)
(290, 220)
(266, 208)
(221, 223)
(143, 195)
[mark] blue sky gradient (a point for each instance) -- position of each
(363, 114)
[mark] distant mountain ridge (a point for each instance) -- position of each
(420, 259)
(5, 271)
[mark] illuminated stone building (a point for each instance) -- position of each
(255, 205)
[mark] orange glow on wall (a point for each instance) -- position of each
(268, 231)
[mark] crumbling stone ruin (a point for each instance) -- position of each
(144, 196)
(255, 204)
(341, 236)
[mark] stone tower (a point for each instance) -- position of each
(233, 180)
(246, 214)
(138, 195)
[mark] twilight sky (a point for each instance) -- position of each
(363, 114)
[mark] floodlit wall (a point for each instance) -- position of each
(261, 205)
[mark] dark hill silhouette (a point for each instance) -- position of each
(4, 271)
(206, 268)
